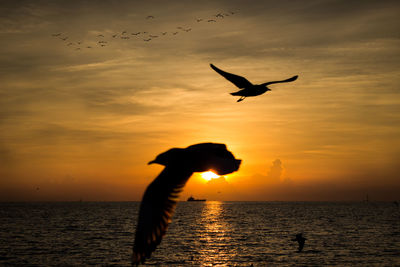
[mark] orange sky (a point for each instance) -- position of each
(83, 123)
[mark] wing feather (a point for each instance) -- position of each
(237, 80)
(156, 210)
(283, 81)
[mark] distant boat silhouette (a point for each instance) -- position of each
(159, 199)
(301, 240)
(191, 198)
(249, 89)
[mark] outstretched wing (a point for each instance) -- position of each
(283, 81)
(237, 80)
(156, 210)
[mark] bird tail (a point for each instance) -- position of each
(236, 93)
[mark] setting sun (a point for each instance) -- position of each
(209, 175)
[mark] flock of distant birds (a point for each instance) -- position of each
(144, 35)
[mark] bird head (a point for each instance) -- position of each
(266, 87)
(212, 156)
(200, 158)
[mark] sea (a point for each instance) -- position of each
(210, 233)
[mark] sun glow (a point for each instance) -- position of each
(209, 175)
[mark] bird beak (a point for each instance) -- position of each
(151, 162)
(238, 161)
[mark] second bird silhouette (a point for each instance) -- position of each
(248, 89)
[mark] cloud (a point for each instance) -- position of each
(56, 102)
(275, 172)
(219, 189)
(217, 182)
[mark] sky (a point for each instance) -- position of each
(79, 120)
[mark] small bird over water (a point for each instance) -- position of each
(249, 89)
(301, 240)
(159, 199)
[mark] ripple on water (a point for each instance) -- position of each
(206, 233)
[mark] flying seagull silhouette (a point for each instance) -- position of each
(159, 199)
(301, 240)
(249, 89)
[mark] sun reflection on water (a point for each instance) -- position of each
(214, 236)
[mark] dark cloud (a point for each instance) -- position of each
(331, 35)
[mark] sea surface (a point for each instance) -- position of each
(203, 234)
